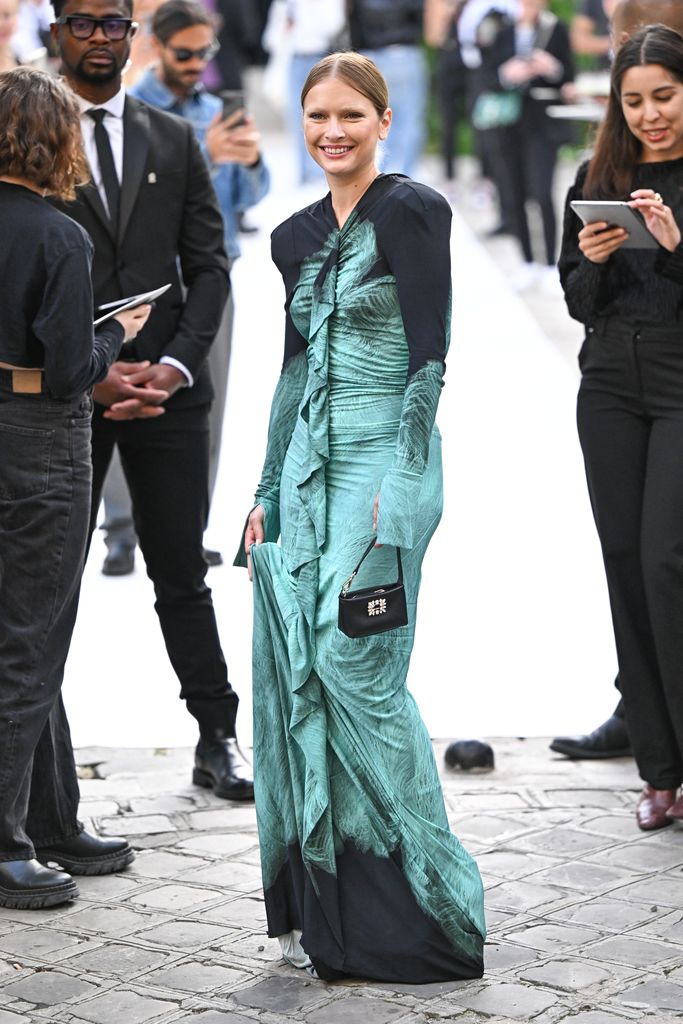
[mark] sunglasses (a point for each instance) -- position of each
(182, 54)
(82, 26)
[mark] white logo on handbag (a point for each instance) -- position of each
(377, 607)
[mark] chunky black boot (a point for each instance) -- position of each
(88, 855)
(27, 885)
(220, 766)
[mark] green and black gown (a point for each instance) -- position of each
(356, 850)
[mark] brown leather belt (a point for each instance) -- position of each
(25, 380)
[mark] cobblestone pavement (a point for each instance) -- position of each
(584, 911)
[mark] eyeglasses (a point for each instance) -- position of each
(182, 54)
(82, 26)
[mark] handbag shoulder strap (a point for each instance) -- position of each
(365, 554)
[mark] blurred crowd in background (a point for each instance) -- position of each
(508, 81)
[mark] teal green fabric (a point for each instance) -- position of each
(341, 754)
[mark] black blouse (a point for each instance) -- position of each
(46, 304)
(638, 284)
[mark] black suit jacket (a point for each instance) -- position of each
(170, 230)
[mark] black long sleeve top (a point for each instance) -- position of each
(638, 284)
(46, 303)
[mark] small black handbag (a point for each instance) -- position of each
(372, 609)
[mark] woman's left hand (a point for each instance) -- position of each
(658, 217)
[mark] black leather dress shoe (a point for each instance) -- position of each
(470, 755)
(120, 560)
(27, 885)
(211, 557)
(610, 739)
(219, 765)
(88, 855)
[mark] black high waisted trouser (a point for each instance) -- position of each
(630, 420)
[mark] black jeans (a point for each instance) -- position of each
(44, 513)
(524, 166)
(165, 462)
(630, 419)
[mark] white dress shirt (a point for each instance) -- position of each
(113, 123)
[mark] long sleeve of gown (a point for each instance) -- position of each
(417, 246)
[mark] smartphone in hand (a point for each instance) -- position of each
(233, 100)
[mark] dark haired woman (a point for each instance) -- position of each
(356, 850)
(49, 360)
(630, 405)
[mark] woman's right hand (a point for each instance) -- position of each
(598, 241)
(133, 320)
(254, 533)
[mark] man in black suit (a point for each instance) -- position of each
(153, 216)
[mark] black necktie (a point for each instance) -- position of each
(107, 168)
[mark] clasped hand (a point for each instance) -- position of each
(598, 241)
(137, 390)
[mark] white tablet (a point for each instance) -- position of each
(131, 302)
(617, 214)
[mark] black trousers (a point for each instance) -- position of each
(523, 161)
(44, 512)
(630, 419)
(166, 464)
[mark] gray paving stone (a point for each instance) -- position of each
(231, 874)
(168, 804)
(497, 919)
(513, 863)
(281, 994)
(97, 808)
(147, 824)
(217, 845)
(500, 956)
(596, 1017)
(112, 922)
(552, 937)
(11, 1018)
(175, 898)
(632, 952)
(515, 1001)
(582, 876)
(225, 817)
(162, 864)
(194, 976)
(608, 914)
(254, 946)
(118, 959)
(524, 895)
(246, 912)
(581, 797)
(36, 942)
(49, 988)
(122, 1007)
(661, 994)
(668, 927)
(563, 842)
(106, 888)
(355, 1010)
(566, 975)
(640, 858)
(186, 934)
(665, 890)
(488, 828)
(213, 1017)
